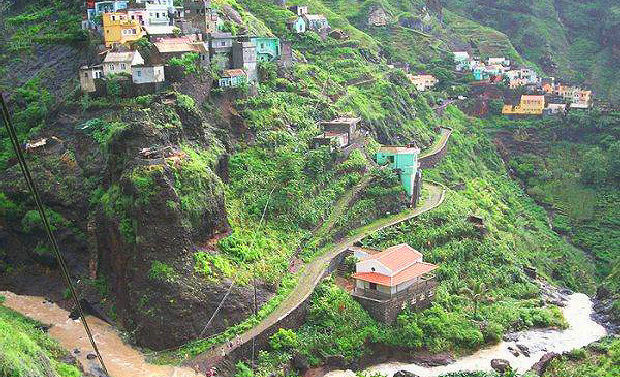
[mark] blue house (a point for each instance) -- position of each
(297, 25)
(480, 73)
(106, 7)
(404, 160)
(267, 48)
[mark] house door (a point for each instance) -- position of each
(373, 286)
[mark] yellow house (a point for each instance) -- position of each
(118, 28)
(529, 105)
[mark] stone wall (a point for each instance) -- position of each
(434, 159)
(387, 311)
(294, 319)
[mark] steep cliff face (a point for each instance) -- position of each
(160, 200)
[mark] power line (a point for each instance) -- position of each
(232, 283)
(35, 193)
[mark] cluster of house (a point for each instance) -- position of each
(547, 96)
(555, 99)
(493, 69)
(193, 28)
(388, 280)
(303, 21)
(340, 134)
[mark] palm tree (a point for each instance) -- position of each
(475, 292)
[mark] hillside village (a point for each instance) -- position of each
(302, 220)
(180, 36)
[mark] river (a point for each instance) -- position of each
(121, 359)
(582, 331)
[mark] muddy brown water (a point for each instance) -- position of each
(582, 330)
(121, 359)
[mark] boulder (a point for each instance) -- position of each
(404, 373)
(300, 363)
(336, 361)
(541, 366)
(500, 365)
(514, 351)
(524, 350)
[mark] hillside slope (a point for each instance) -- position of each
(576, 41)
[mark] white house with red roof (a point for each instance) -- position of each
(391, 271)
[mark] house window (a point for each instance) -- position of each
(373, 286)
(123, 66)
(222, 43)
(373, 269)
(138, 73)
(391, 159)
(86, 74)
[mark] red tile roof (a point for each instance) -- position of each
(409, 273)
(396, 257)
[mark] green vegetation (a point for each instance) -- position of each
(33, 102)
(188, 62)
(161, 272)
(45, 22)
(27, 351)
(601, 359)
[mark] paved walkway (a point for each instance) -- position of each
(313, 272)
(436, 147)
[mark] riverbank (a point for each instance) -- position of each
(121, 359)
(582, 330)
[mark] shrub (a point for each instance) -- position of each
(161, 272)
(284, 339)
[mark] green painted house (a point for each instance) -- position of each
(404, 160)
(267, 48)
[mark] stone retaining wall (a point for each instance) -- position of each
(433, 159)
(292, 320)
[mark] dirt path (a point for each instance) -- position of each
(439, 144)
(313, 272)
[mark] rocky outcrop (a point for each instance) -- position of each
(541, 366)
(162, 198)
(500, 365)
(377, 16)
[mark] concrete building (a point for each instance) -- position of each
(316, 22)
(338, 133)
(179, 47)
(244, 57)
(404, 160)
(88, 75)
(299, 10)
(199, 17)
(267, 48)
(423, 82)
(528, 105)
(296, 24)
(159, 11)
(220, 49)
(118, 28)
(232, 78)
(387, 281)
(142, 74)
(121, 62)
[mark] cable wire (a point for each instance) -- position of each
(35, 193)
